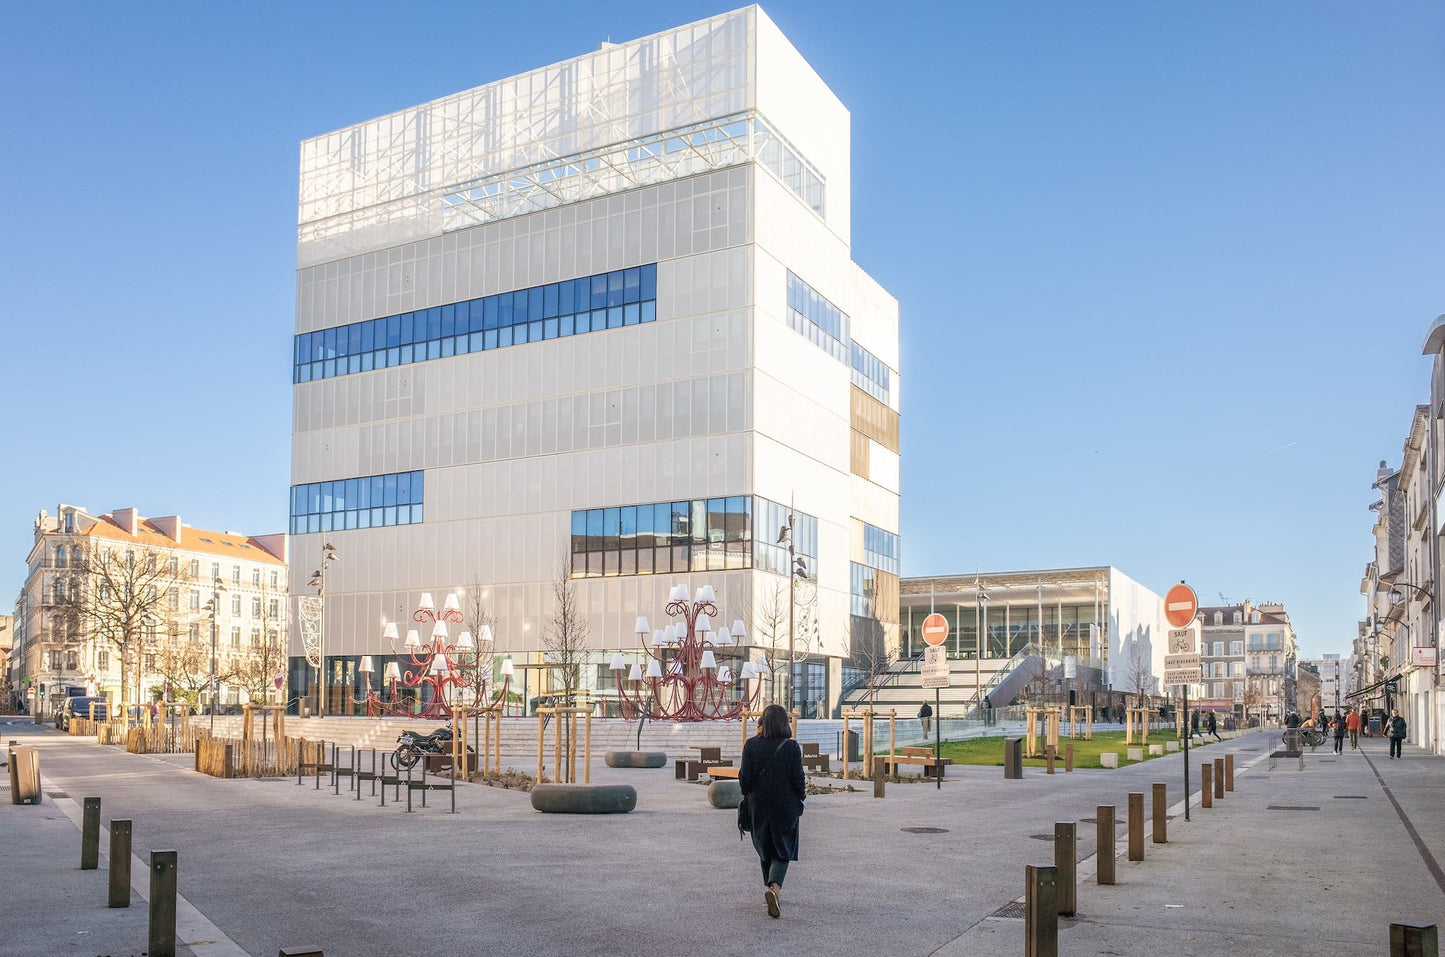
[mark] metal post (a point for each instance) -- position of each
(1161, 816)
(1066, 859)
(90, 835)
(1041, 917)
(1184, 733)
(119, 894)
(1136, 825)
(162, 935)
(1104, 841)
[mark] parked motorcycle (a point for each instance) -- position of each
(411, 746)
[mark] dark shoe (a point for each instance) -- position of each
(772, 898)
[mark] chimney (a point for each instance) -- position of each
(1383, 472)
(127, 518)
(170, 526)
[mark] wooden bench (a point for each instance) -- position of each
(690, 768)
(920, 756)
(720, 771)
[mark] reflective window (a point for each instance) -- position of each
(880, 549)
(870, 374)
(574, 306)
(372, 501)
(823, 323)
(664, 537)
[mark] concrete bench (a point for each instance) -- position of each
(584, 798)
(1171, 745)
(724, 794)
(1156, 750)
(1135, 754)
(636, 759)
(1109, 759)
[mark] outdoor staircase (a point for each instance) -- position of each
(998, 679)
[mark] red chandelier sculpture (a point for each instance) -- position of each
(683, 680)
(440, 674)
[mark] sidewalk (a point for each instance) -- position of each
(267, 864)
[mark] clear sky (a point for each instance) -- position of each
(1164, 269)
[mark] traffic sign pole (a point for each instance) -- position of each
(1181, 606)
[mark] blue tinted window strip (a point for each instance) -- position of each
(589, 304)
(369, 501)
(824, 324)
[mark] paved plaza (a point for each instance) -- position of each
(1311, 861)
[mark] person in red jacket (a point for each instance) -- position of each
(1352, 725)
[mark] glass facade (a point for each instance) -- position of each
(862, 582)
(811, 315)
(698, 535)
(370, 502)
(870, 374)
(880, 548)
(772, 555)
(624, 297)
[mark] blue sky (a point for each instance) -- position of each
(1164, 269)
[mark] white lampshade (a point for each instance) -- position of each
(452, 604)
(412, 641)
(636, 673)
(709, 662)
(367, 665)
(703, 624)
(659, 638)
(617, 663)
(737, 630)
(484, 637)
(675, 668)
(439, 630)
(465, 642)
(426, 603)
(392, 672)
(641, 628)
(722, 637)
(705, 594)
(725, 675)
(439, 665)
(389, 632)
(654, 670)
(749, 671)
(762, 666)
(507, 669)
(678, 593)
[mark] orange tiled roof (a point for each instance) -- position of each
(192, 540)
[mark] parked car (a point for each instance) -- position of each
(79, 707)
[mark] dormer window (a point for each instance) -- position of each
(1254, 618)
(1219, 617)
(1239, 618)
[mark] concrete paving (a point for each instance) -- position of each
(265, 864)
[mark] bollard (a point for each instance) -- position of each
(880, 775)
(119, 895)
(1206, 785)
(1013, 758)
(1041, 918)
(1104, 841)
(1068, 757)
(1414, 938)
(1219, 778)
(1229, 772)
(163, 904)
(1066, 861)
(1049, 759)
(1161, 815)
(90, 835)
(1136, 825)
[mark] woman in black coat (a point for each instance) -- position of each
(771, 777)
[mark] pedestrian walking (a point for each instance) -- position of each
(771, 779)
(1214, 726)
(925, 717)
(1194, 725)
(1339, 734)
(1352, 725)
(1396, 729)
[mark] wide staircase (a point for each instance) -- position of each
(901, 687)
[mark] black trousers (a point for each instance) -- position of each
(1395, 747)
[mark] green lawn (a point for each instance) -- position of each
(989, 751)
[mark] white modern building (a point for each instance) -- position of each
(602, 314)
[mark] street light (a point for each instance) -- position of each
(318, 581)
(215, 605)
(1421, 593)
(797, 568)
(979, 645)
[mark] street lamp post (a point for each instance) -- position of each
(797, 568)
(979, 645)
(216, 589)
(318, 581)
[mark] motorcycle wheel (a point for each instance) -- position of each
(405, 758)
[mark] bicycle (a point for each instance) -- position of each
(1314, 737)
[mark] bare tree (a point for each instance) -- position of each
(769, 625)
(871, 658)
(564, 634)
(123, 592)
(477, 618)
(183, 660)
(254, 671)
(1139, 677)
(1036, 683)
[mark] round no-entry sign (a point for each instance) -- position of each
(935, 629)
(1180, 605)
